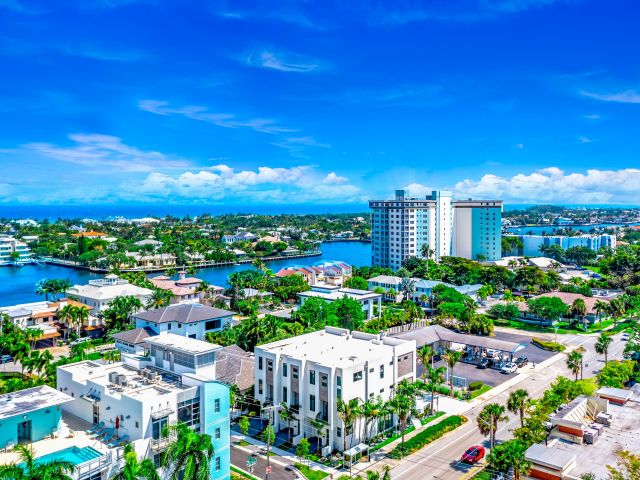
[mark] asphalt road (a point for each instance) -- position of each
(278, 470)
(440, 460)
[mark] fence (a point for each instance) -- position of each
(407, 327)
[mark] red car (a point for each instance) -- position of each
(473, 454)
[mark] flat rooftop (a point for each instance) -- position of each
(335, 347)
(340, 293)
(623, 434)
(30, 400)
(433, 333)
(179, 342)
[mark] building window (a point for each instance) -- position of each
(217, 434)
(169, 327)
(294, 372)
(212, 325)
(339, 380)
(312, 403)
(339, 393)
(259, 363)
(312, 377)
(269, 365)
(284, 369)
(259, 387)
(216, 405)
(189, 412)
(324, 380)
(218, 464)
(339, 431)
(284, 394)
(381, 371)
(357, 376)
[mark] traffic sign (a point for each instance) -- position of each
(268, 469)
(251, 461)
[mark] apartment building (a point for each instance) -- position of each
(477, 229)
(134, 400)
(531, 244)
(311, 372)
(98, 293)
(400, 227)
(13, 251)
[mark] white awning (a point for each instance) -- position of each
(360, 448)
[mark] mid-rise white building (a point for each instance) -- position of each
(400, 227)
(13, 251)
(330, 293)
(98, 293)
(311, 372)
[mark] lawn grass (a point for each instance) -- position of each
(483, 389)
(410, 429)
(426, 420)
(309, 473)
(243, 443)
(240, 475)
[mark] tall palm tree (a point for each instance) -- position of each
(347, 411)
(425, 354)
(288, 415)
(82, 315)
(600, 307)
(574, 363)
(488, 420)
(67, 316)
(618, 308)
(452, 357)
(602, 345)
(426, 251)
(159, 298)
(435, 376)
(189, 456)
(579, 309)
(134, 468)
(402, 405)
(30, 469)
(518, 402)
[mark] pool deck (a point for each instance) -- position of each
(73, 433)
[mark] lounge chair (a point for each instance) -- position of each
(95, 428)
(120, 441)
(108, 436)
(100, 432)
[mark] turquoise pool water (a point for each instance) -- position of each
(75, 455)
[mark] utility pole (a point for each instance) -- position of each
(269, 410)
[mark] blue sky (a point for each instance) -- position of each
(241, 102)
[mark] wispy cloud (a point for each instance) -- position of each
(592, 117)
(582, 139)
(283, 61)
(404, 95)
(19, 6)
(105, 54)
(201, 113)
(297, 146)
(291, 12)
(626, 96)
(98, 151)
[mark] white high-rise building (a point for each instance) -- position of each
(400, 227)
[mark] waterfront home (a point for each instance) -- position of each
(154, 260)
(13, 251)
(89, 234)
(591, 316)
(311, 372)
(240, 237)
(329, 293)
(192, 320)
(327, 272)
(184, 289)
(136, 399)
(98, 293)
(148, 241)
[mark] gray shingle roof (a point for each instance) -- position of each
(135, 336)
(184, 312)
(235, 367)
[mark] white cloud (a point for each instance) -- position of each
(296, 146)
(519, 146)
(592, 116)
(553, 185)
(265, 184)
(626, 96)
(582, 139)
(201, 113)
(283, 61)
(99, 151)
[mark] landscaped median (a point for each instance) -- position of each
(427, 436)
(552, 346)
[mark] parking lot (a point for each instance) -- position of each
(492, 376)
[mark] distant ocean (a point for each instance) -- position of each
(99, 212)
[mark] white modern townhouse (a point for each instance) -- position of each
(98, 293)
(311, 372)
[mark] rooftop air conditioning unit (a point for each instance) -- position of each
(113, 377)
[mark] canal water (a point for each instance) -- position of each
(17, 284)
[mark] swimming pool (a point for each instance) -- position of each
(75, 455)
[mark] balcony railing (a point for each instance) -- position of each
(163, 442)
(84, 470)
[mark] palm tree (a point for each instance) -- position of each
(579, 309)
(159, 298)
(30, 469)
(347, 411)
(435, 376)
(426, 251)
(288, 415)
(452, 357)
(67, 316)
(574, 362)
(425, 354)
(188, 457)
(618, 308)
(600, 307)
(135, 469)
(320, 427)
(82, 315)
(518, 402)
(602, 345)
(488, 420)
(402, 405)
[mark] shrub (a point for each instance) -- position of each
(553, 346)
(428, 435)
(475, 386)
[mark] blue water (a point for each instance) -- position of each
(98, 212)
(17, 284)
(75, 455)
(541, 230)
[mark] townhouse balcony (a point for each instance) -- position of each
(158, 444)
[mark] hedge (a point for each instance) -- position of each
(553, 346)
(427, 436)
(475, 386)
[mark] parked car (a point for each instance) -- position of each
(6, 359)
(521, 361)
(625, 337)
(484, 363)
(473, 454)
(509, 368)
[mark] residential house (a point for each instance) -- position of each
(192, 320)
(367, 299)
(98, 293)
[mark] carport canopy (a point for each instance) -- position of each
(434, 333)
